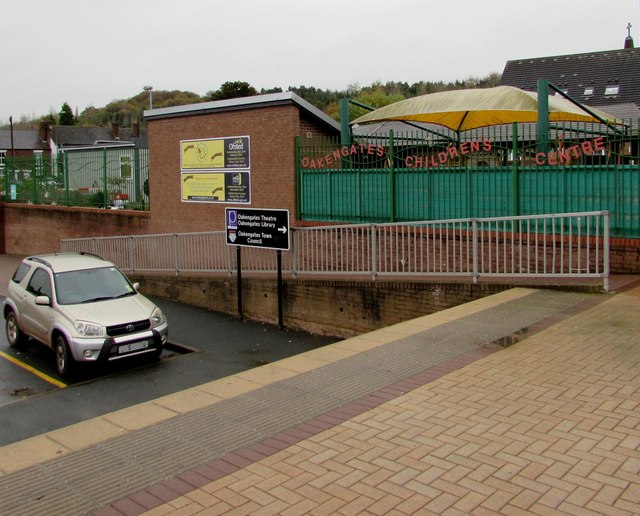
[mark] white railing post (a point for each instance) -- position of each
(229, 269)
(132, 260)
(374, 250)
(474, 231)
(294, 252)
(175, 253)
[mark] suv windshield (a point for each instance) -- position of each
(90, 285)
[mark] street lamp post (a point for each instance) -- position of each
(150, 90)
(13, 151)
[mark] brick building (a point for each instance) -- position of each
(269, 124)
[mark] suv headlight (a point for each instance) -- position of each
(157, 318)
(89, 329)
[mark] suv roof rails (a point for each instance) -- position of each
(85, 253)
(48, 264)
(39, 260)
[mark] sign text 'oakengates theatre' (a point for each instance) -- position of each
(258, 228)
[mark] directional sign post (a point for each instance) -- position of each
(255, 227)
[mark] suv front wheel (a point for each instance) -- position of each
(64, 360)
(14, 334)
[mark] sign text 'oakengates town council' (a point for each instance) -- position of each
(258, 228)
(216, 170)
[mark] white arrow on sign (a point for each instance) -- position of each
(283, 229)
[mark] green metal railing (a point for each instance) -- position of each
(491, 172)
(97, 178)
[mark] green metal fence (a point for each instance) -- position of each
(97, 178)
(496, 171)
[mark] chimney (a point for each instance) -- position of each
(136, 129)
(44, 131)
(115, 130)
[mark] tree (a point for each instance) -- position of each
(127, 111)
(50, 119)
(65, 116)
(319, 98)
(264, 91)
(375, 96)
(232, 90)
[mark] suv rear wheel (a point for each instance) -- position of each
(14, 334)
(64, 360)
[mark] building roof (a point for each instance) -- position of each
(607, 80)
(253, 102)
(74, 137)
(22, 140)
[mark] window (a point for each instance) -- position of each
(40, 284)
(92, 285)
(588, 90)
(21, 272)
(612, 90)
(125, 166)
(38, 163)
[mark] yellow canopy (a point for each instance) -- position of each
(461, 110)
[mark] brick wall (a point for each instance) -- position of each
(35, 229)
(624, 256)
(330, 307)
(272, 132)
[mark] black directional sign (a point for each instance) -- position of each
(251, 227)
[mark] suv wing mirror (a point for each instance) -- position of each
(43, 301)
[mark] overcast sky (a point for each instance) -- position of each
(90, 52)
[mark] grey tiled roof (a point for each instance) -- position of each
(73, 136)
(584, 77)
(22, 140)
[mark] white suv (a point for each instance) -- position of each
(84, 308)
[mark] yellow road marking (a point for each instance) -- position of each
(39, 374)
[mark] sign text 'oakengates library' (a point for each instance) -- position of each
(258, 228)
(216, 170)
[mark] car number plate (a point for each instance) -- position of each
(134, 346)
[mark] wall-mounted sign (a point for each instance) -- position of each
(216, 187)
(215, 153)
(216, 170)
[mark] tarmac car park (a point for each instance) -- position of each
(203, 346)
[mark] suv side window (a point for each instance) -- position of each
(40, 284)
(21, 272)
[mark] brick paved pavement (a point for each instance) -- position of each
(550, 425)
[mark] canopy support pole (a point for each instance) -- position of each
(543, 116)
(345, 128)
(583, 107)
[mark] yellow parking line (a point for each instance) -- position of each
(39, 374)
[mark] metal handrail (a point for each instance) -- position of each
(568, 245)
